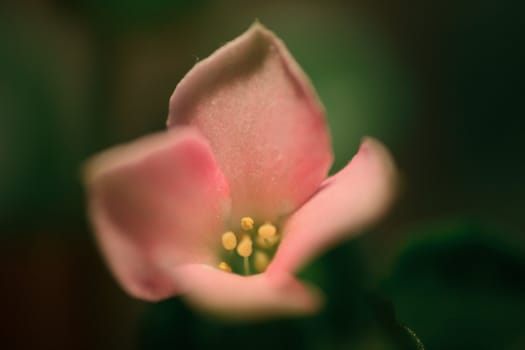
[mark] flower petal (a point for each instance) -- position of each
(238, 297)
(264, 122)
(156, 203)
(346, 203)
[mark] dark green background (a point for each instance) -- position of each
(439, 82)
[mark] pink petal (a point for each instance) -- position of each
(264, 122)
(346, 203)
(238, 297)
(156, 203)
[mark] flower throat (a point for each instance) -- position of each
(250, 250)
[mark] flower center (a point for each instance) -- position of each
(250, 249)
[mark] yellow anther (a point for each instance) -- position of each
(245, 247)
(225, 267)
(267, 230)
(229, 241)
(267, 242)
(247, 223)
(261, 261)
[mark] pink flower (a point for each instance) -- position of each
(238, 183)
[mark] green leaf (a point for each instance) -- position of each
(461, 286)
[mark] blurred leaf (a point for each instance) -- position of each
(461, 287)
(401, 335)
(417, 341)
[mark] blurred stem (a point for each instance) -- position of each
(418, 342)
(246, 266)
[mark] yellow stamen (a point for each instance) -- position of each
(229, 241)
(225, 267)
(267, 230)
(261, 261)
(267, 242)
(245, 247)
(247, 223)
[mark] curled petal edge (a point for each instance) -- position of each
(234, 297)
(346, 203)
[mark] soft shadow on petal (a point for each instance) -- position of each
(235, 297)
(155, 203)
(264, 122)
(347, 202)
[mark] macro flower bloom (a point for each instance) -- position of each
(225, 206)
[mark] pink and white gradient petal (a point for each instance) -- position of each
(238, 297)
(346, 203)
(156, 203)
(264, 122)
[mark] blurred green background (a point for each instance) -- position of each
(439, 82)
